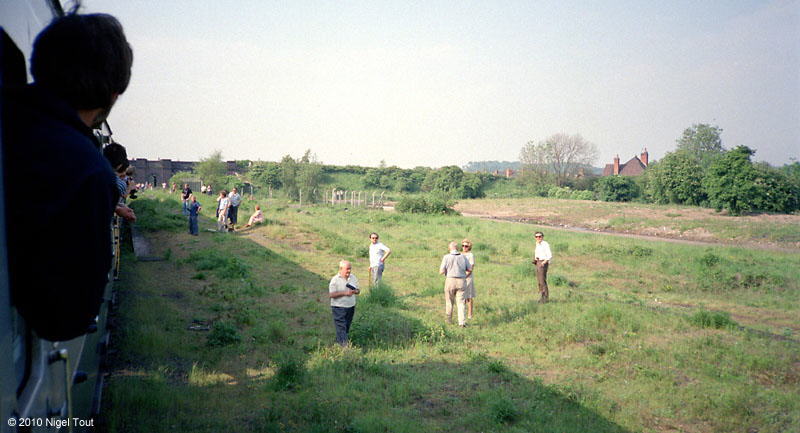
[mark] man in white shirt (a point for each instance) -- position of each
(342, 290)
(378, 252)
(456, 267)
(541, 258)
(233, 212)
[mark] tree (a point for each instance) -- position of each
(212, 169)
(776, 190)
(560, 154)
(703, 142)
(267, 174)
(677, 178)
(731, 181)
(289, 171)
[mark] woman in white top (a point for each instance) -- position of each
(469, 284)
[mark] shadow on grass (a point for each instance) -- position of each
(478, 395)
(281, 326)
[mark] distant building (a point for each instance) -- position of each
(162, 170)
(508, 173)
(634, 167)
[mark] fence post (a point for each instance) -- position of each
(301, 197)
(373, 198)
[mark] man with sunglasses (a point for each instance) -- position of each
(541, 258)
(378, 252)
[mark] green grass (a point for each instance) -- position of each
(638, 336)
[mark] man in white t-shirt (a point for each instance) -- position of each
(541, 258)
(378, 252)
(342, 290)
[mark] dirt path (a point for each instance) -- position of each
(564, 227)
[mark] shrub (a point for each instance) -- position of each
(713, 319)
(225, 265)
(430, 203)
(223, 334)
(382, 295)
(503, 411)
(289, 375)
(616, 188)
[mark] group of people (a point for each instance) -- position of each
(227, 211)
(459, 286)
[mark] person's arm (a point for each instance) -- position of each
(125, 212)
(442, 268)
(334, 293)
(388, 252)
(547, 254)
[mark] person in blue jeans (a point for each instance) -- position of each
(342, 290)
(194, 210)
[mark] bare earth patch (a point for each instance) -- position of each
(767, 231)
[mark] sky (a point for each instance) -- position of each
(434, 83)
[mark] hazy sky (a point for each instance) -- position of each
(439, 83)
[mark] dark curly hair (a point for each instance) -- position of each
(84, 59)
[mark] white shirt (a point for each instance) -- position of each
(376, 253)
(543, 251)
(339, 284)
(235, 199)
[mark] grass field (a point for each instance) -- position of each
(233, 332)
(669, 221)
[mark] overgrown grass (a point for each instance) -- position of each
(637, 336)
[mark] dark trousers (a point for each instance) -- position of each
(541, 277)
(233, 214)
(193, 229)
(342, 318)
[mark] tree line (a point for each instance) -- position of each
(700, 172)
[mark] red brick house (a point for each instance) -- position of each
(634, 167)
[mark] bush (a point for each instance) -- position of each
(430, 204)
(225, 266)
(381, 295)
(713, 319)
(289, 375)
(223, 334)
(616, 188)
(503, 411)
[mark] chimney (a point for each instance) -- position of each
(616, 165)
(644, 157)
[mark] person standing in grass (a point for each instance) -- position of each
(378, 252)
(456, 268)
(541, 258)
(194, 211)
(469, 283)
(342, 290)
(233, 212)
(185, 198)
(223, 204)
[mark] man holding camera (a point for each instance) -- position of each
(342, 290)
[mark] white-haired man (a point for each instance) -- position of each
(342, 290)
(456, 268)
